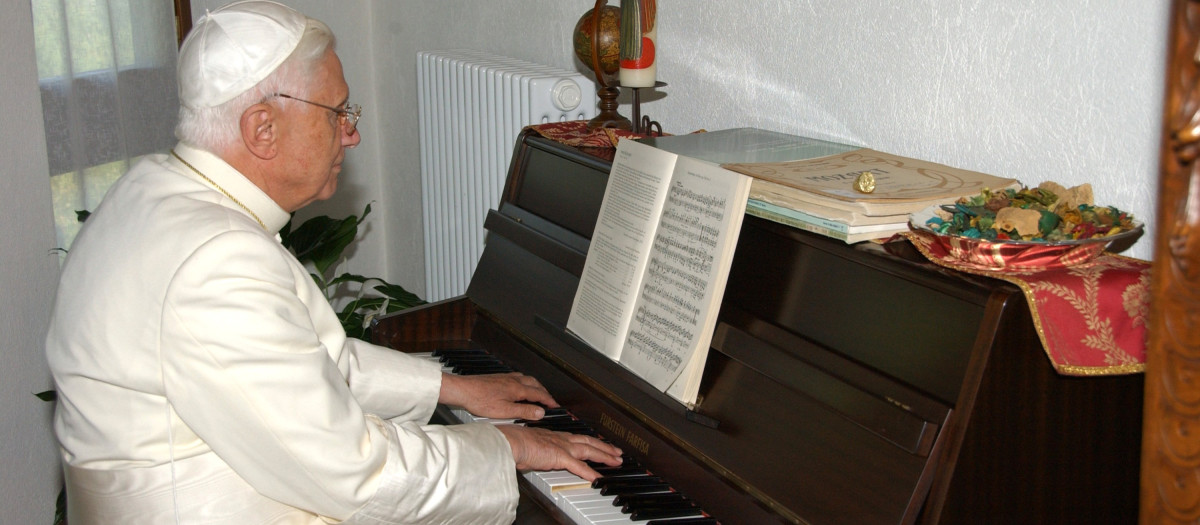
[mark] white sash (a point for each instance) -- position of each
(206, 490)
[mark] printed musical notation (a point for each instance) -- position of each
(680, 269)
(675, 220)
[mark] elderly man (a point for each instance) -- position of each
(202, 376)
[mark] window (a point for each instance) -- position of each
(106, 69)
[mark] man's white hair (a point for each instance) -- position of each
(219, 127)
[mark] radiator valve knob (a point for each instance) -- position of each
(566, 95)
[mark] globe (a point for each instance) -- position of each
(608, 45)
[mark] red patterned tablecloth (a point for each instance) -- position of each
(1090, 316)
(576, 133)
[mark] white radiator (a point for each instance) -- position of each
(472, 106)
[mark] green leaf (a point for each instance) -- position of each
(82, 215)
(60, 506)
(322, 239)
(354, 328)
(312, 234)
(329, 252)
(349, 278)
(399, 295)
(49, 395)
(1048, 222)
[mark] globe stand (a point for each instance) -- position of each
(588, 43)
(608, 116)
(588, 39)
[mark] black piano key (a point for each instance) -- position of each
(626, 461)
(617, 489)
(686, 521)
(548, 414)
(600, 483)
(664, 506)
(661, 513)
(630, 461)
(648, 499)
(643, 496)
(622, 470)
(459, 351)
(469, 358)
(477, 367)
(480, 370)
(570, 427)
(556, 412)
(652, 505)
(557, 423)
(479, 364)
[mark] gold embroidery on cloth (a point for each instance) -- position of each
(1013, 277)
(1100, 329)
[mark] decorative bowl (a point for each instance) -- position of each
(1018, 255)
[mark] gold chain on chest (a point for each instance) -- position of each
(220, 189)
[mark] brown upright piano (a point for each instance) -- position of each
(846, 384)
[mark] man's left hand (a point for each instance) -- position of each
(499, 396)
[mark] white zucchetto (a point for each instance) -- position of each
(232, 49)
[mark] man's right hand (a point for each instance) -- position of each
(541, 449)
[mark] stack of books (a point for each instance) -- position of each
(809, 183)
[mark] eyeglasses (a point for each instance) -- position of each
(347, 114)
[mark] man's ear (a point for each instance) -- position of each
(258, 131)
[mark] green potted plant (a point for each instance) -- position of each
(319, 243)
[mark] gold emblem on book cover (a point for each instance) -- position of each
(865, 182)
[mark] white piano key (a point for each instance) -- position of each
(583, 495)
(570, 493)
(609, 515)
(560, 480)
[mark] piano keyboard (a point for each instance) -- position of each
(627, 494)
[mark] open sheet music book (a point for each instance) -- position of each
(656, 269)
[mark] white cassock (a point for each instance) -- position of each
(204, 378)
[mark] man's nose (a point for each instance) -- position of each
(350, 140)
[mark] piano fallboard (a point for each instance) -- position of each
(851, 384)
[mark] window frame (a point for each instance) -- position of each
(183, 19)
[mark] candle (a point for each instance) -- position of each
(639, 43)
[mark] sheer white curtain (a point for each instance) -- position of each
(107, 74)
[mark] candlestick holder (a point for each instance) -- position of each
(642, 124)
(597, 43)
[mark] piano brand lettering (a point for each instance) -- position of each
(624, 434)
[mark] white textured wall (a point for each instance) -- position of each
(1067, 91)
(29, 471)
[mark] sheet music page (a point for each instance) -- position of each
(620, 246)
(676, 310)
